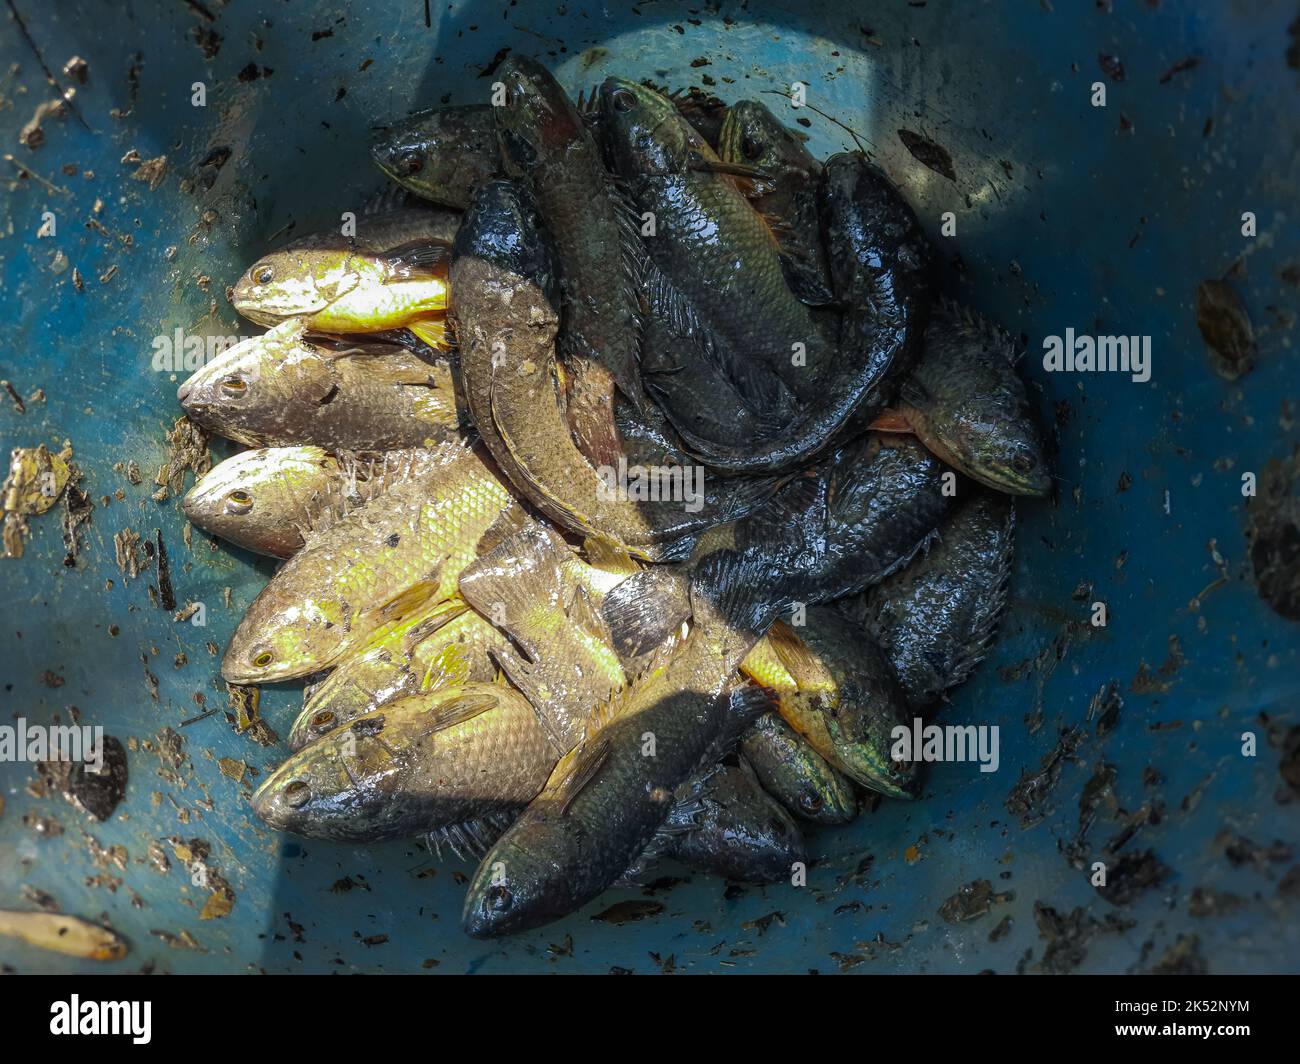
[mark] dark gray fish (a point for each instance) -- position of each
(714, 247)
(546, 145)
(441, 154)
(865, 510)
(739, 832)
(936, 619)
(968, 404)
(786, 194)
(793, 773)
(607, 799)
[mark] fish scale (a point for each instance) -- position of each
(419, 764)
(398, 660)
(374, 564)
(712, 244)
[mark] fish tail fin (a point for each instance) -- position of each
(607, 555)
(742, 704)
(434, 332)
(507, 582)
(646, 609)
(737, 590)
(892, 420)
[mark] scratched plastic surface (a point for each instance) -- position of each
(1068, 215)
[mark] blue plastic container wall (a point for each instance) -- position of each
(199, 134)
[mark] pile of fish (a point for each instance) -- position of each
(631, 492)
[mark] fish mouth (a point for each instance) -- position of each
(190, 504)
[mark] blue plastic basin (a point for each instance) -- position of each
(1068, 215)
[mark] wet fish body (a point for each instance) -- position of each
(711, 243)
(846, 701)
(786, 196)
(546, 145)
(445, 645)
(391, 275)
(794, 774)
(419, 764)
(739, 831)
(935, 619)
(504, 284)
(536, 591)
(606, 800)
(375, 565)
(281, 389)
(966, 402)
(867, 508)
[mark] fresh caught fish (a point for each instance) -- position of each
(280, 389)
(793, 773)
(374, 565)
(443, 645)
(418, 764)
(607, 798)
(968, 404)
(739, 831)
(845, 700)
(546, 146)
(262, 499)
(503, 283)
(441, 154)
(537, 592)
(391, 275)
(936, 619)
(881, 270)
(865, 510)
(714, 247)
(785, 194)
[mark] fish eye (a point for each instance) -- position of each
(623, 101)
(239, 502)
(500, 899)
(1022, 463)
(264, 274)
(411, 162)
(812, 803)
(752, 148)
(323, 719)
(296, 793)
(234, 386)
(261, 657)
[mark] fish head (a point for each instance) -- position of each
(326, 789)
(861, 715)
(297, 281)
(647, 134)
(516, 887)
(245, 393)
(537, 119)
(279, 640)
(254, 497)
(752, 135)
(1004, 452)
(406, 148)
(312, 726)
